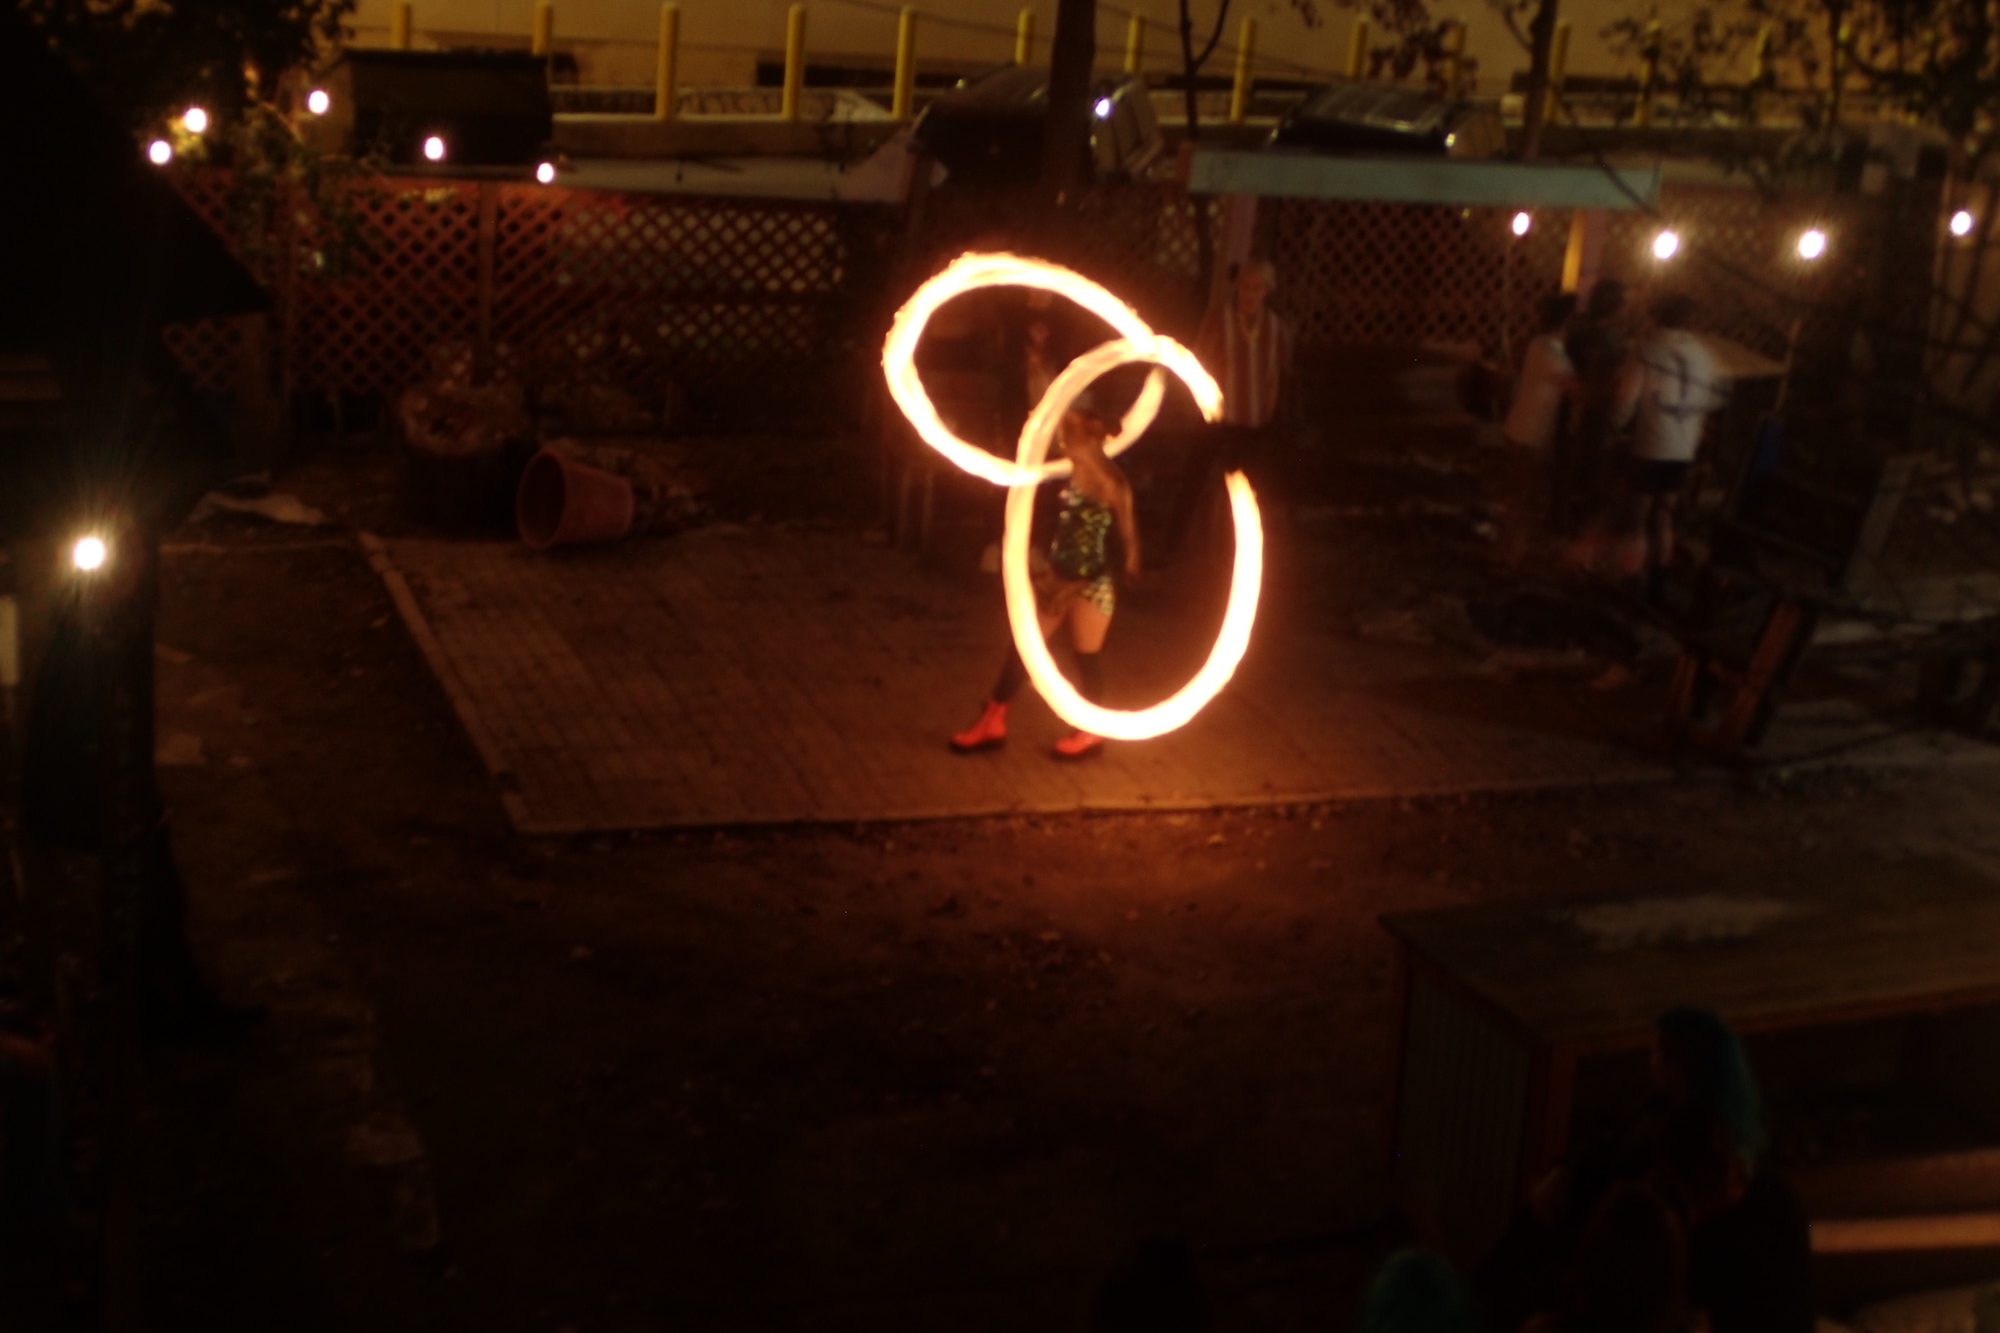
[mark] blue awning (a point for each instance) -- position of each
(1463, 182)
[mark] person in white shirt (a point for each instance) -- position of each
(1248, 348)
(1541, 399)
(1666, 390)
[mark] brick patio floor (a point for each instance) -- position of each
(774, 676)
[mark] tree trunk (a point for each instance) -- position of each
(1190, 67)
(1066, 139)
(1541, 36)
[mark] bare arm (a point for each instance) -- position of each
(1208, 342)
(1625, 398)
(1128, 526)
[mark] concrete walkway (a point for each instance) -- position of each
(773, 676)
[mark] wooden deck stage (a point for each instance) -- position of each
(771, 675)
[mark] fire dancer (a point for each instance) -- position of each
(1077, 588)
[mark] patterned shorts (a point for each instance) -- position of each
(1101, 593)
(1054, 595)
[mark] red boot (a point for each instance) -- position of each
(988, 733)
(1079, 744)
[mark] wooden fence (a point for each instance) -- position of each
(1401, 274)
(755, 304)
(546, 284)
(747, 305)
(1140, 241)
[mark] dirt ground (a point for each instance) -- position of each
(875, 1077)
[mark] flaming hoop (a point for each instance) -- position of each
(1137, 343)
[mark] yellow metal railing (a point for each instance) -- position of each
(1456, 66)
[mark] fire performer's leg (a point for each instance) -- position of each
(989, 732)
(1088, 624)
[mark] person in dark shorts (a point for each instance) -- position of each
(1585, 454)
(1657, 476)
(1669, 385)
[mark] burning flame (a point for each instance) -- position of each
(1137, 343)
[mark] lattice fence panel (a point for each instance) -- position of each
(1362, 273)
(207, 192)
(638, 287)
(644, 288)
(1177, 248)
(412, 301)
(1138, 240)
(1739, 260)
(1379, 273)
(207, 349)
(1141, 241)
(1968, 283)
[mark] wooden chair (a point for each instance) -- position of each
(1785, 548)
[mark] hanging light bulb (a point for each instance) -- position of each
(1522, 222)
(195, 120)
(160, 152)
(1962, 222)
(1812, 243)
(318, 101)
(1667, 244)
(434, 148)
(89, 554)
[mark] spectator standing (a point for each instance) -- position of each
(1248, 348)
(1585, 453)
(1546, 385)
(1156, 1290)
(1667, 388)
(1749, 1242)
(1699, 1068)
(1630, 1274)
(1415, 1291)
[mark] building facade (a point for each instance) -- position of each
(724, 41)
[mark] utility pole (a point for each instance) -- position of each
(1066, 134)
(1541, 38)
(1191, 62)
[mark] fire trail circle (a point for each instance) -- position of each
(1136, 343)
